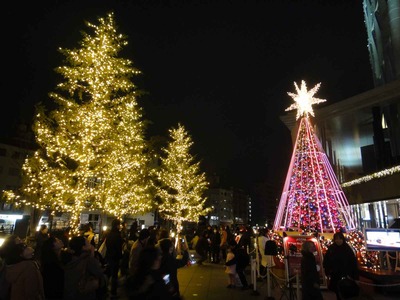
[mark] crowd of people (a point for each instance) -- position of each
(71, 267)
(64, 267)
(218, 244)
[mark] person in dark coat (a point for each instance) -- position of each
(146, 282)
(245, 239)
(66, 236)
(215, 245)
(202, 246)
(80, 260)
(23, 274)
(309, 275)
(41, 236)
(52, 268)
(133, 231)
(170, 264)
(339, 262)
(114, 244)
(242, 260)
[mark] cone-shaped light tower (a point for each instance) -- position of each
(312, 199)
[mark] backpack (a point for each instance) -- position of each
(270, 248)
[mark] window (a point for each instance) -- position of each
(94, 220)
(384, 124)
(93, 182)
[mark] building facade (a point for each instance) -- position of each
(361, 134)
(382, 21)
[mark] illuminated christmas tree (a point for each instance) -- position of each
(312, 199)
(182, 186)
(92, 147)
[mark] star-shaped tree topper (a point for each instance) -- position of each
(304, 100)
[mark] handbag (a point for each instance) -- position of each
(88, 283)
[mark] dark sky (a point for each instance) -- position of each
(221, 68)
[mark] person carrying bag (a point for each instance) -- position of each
(84, 277)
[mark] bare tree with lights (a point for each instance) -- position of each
(92, 151)
(181, 184)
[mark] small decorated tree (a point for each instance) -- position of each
(181, 184)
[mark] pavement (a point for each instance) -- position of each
(209, 282)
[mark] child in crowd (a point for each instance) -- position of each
(231, 268)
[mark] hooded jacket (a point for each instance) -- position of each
(26, 280)
(74, 271)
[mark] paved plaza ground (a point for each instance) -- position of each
(209, 281)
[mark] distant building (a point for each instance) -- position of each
(231, 206)
(13, 152)
(221, 200)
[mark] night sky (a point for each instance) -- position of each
(221, 68)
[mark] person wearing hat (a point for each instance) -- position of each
(137, 247)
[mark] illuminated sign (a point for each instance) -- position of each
(10, 217)
(382, 239)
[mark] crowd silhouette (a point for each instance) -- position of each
(136, 263)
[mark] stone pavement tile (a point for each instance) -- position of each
(208, 282)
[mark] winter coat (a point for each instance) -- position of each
(137, 247)
(215, 240)
(53, 279)
(114, 243)
(224, 239)
(339, 262)
(202, 246)
(149, 286)
(26, 280)
(242, 258)
(40, 238)
(170, 265)
(74, 270)
(309, 277)
(266, 260)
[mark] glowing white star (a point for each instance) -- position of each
(304, 100)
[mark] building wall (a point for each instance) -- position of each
(241, 207)
(12, 158)
(222, 202)
(382, 21)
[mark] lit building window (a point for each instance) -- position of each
(384, 124)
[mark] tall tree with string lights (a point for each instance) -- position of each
(92, 151)
(181, 184)
(312, 199)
